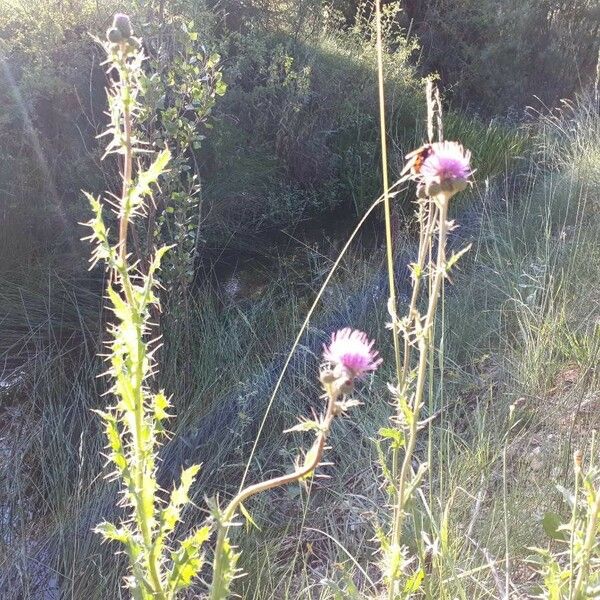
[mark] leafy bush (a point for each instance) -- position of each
(295, 135)
(300, 118)
(499, 56)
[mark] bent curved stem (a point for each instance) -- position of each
(217, 591)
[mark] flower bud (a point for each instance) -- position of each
(327, 376)
(433, 188)
(453, 185)
(114, 36)
(123, 24)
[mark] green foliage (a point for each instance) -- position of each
(501, 57)
(298, 135)
(294, 137)
(571, 571)
(180, 91)
(505, 338)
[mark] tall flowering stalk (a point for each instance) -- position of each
(134, 424)
(440, 170)
(347, 358)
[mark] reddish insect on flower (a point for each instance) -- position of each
(351, 353)
(415, 160)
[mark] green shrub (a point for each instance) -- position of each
(498, 56)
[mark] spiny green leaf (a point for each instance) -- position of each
(113, 533)
(304, 426)
(171, 514)
(161, 404)
(142, 187)
(413, 583)
(187, 560)
(121, 309)
(221, 586)
(397, 436)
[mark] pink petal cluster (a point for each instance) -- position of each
(351, 352)
(446, 162)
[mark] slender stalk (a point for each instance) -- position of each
(423, 252)
(424, 343)
(302, 329)
(392, 303)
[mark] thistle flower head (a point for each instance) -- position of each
(351, 353)
(446, 169)
(123, 24)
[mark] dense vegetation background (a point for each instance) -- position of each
(286, 158)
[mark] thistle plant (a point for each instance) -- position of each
(347, 358)
(440, 170)
(135, 423)
(570, 568)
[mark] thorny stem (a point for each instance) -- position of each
(424, 246)
(572, 540)
(425, 338)
(141, 458)
(590, 537)
(228, 514)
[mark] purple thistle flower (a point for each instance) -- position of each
(446, 168)
(447, 163)
(351, 352)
